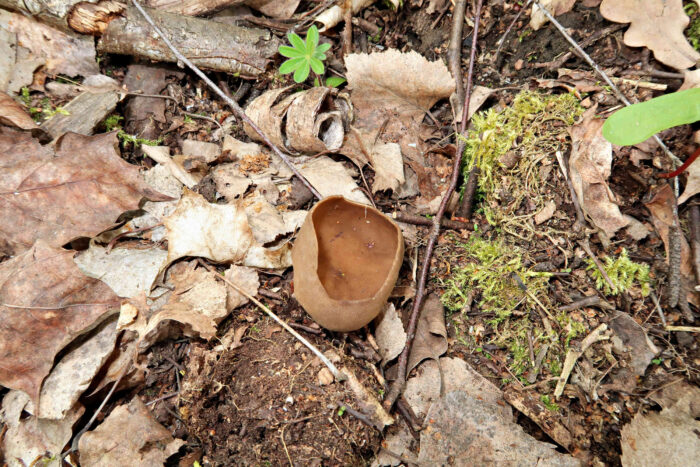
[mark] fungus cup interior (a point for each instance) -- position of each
(356, 249)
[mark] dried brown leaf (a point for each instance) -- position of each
(657, 25)
(431, 336)
(32, 440)
(12, 114)
(79, 192)
(464, 430)
(61, 53)
(590, 166)
(128, 436)
(245, 278)
(630, 337)
(669, 437)
(390, 335)
(44, 287)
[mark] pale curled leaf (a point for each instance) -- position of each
(128, 436)
(590, 167)
(431, 336)
(555, 7)
(390, 335)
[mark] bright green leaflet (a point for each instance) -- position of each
(303, 55)
(639, 122)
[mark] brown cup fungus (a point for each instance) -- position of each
(346, 259)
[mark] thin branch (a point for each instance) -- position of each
(236, 108)
(398, 385)
(454, 52)
(574, 353)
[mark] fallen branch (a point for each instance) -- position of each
(575, 352)
(236, 108)
(398, 385)
(683, 328)
(339, 376)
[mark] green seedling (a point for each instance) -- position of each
(303, 56)
(639, 122)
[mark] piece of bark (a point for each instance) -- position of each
(62, 13)
(208, 44)
(85, 112)
(192, 7)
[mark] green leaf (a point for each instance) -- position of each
(322, 48)
(292, 64)
(311, 39)
(302, 72)
(317, 66)
(334, 81)
(290, 52)
(297, 42)
(638, 122)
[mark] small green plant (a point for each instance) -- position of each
(551, 405)
(623, 273)
(341, 410)
(303, 56)
(639, 122)
(26, 98)
(692, 32)
(113, 123)
(657, 361)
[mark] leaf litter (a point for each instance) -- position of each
(253, 392)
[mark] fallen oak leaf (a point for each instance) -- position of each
(657, 25)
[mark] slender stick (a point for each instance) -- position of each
(236, 108)
(398, 385)
(454, 52)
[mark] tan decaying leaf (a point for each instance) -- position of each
(388, 167)
(174, 321)
(367, 401)
(335, 14)
(219, 232)
(12, 114)
(403, 85)
(74, 372)
(691, 79)
(331, 178)
(346, 260)
(161, 154)
(245, 278)
(647, 438)
(128, 436)
(555, 7)
(207, 151)
(692, 186)
(267, 222)
(657, 25)
(69, 55)
(431, 336)
(79, 192)
(31, 439)
(199, 290)
(630, 337)
(546, 212)
(463, 429)
(43, 286)
(282, 9)
(127, 271)
(390, 335)
(230, 182)
(236, 150)
(590, 166)
(425, 388)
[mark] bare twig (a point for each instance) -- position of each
(454, 52)
(563, 166)
(683, 328)
(236, 108)
(659, 310)
(418, 220)
(574, 353)
(398, 385)
(336, 373)
(593, 300)
(674, 264)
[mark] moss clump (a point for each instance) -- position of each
(113, 122)
(623, 273)
(532, 126)
(494, 269)
(692, 32)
